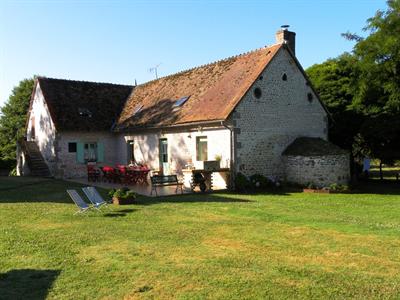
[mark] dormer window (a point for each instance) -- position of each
(84, 112)
(137, 109)
(181, 101)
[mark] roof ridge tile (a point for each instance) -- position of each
(82, 81)
(205, 65)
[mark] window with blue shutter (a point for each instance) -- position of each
(80, 153)
(100, 152)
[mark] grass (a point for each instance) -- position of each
(389, 172)
(215, 246)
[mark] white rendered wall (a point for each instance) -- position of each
(45, 131)
(181, 147)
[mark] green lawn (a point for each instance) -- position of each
(215, 246)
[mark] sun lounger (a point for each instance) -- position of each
(94, 197)
(82, 205)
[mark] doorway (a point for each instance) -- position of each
(163, 150)
(131, 151)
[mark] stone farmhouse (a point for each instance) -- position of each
(257, 113)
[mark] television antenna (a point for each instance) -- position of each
(154, 69)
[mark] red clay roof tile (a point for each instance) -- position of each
(214, 89)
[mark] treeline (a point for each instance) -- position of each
(12, 122)
(361, 89)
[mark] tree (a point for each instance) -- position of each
(334, 81)
(362, 89)
(380, 137)
(378, 56)
(13, 118)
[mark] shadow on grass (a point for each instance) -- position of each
(189, 198)
(379, 187)
(114, 215)
(211, 197)
(118, 213)
(33, 189)
(27, 283)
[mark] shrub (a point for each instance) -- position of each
(260, 182)
(334, 187)
(311, 185)
(13, 172)
(242, 183)
(123, 193)
(111, 192)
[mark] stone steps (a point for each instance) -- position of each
(36, 163)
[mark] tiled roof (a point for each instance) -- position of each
(82, 105)
(214, 89)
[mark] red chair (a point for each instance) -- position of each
(108, 173)
(123, 174)
(93, 174)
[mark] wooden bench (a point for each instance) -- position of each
(165, 180)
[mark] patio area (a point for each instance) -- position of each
(142, 189)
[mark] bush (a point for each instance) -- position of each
(13, 172)
(123, 193)
(260, 182)
(242, 183)
(334, 187)
(111, 192)
(311, 186)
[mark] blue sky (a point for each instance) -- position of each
(118, 41)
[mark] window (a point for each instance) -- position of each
(284, 77)
(201, 148)
(137, 109)
(257, 93)
(33, 132)
(181, 101)
(163, 151)
(90, 152)
(72, 147)
(131, 151)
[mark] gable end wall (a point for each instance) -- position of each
(45, 130)
(265, 127)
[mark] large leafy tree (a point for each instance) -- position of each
(378, 56)
(362, 89)
(13, 118)
(334, 81)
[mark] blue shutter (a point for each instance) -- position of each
(100, 152)
(80, 152)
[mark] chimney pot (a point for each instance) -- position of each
(284, 36)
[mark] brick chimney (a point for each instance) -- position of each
(287, 37)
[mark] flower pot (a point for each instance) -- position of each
(318, 191)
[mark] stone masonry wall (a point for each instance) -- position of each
(321, 171)
(67, 164)
(265, 126)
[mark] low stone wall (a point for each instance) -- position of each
(321, 171)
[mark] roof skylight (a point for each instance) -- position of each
(84, 112)
(138, 108)
(181, 101)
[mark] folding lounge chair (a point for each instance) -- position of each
(94, 197)
(83, 206)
